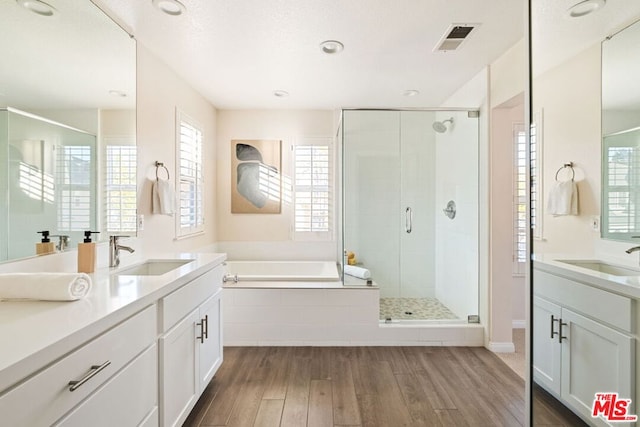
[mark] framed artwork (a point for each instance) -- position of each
(256, 176)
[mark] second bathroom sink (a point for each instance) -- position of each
(603, 267)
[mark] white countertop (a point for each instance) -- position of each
(628, 286)
(35, 333)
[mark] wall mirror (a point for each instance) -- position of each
(621, 135)
(67, 125)
(584, 81)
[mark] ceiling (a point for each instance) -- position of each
(238, 52)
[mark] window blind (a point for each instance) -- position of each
(120, 187)
(520, 199)
(312, 188)
(73, 187)
(190, 218)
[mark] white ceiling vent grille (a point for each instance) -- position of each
(454, 37)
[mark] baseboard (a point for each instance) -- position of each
(502, 347)
(519, 324)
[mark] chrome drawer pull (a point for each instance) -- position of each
(74, 385)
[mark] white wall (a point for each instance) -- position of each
(507, 291)
(160, 92)
(571, 132)
(261, 231)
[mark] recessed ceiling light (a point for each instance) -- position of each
(331, 47)
(585, 7)
(39, 7)
(280, 93)
(411, 92)
(118, 93)
(170, 7)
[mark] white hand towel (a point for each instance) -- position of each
(163, 201)
(359, 272)
(44, 286)
(563, 199)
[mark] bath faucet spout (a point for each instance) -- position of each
(114, 250)
(633, 249)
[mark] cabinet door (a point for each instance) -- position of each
(211, 348)
(178, 379)
(595, 358)
(546, 347)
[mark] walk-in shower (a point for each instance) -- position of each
(403, 174)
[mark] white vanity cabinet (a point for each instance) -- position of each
(583, 342)
(190, 344)
(93, 385)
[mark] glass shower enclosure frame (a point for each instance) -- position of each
(410, 211)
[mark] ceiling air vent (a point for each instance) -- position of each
(453, 38)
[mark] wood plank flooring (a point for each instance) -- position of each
(362, 386)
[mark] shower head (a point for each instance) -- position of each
(441, 127)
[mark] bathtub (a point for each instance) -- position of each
(282, 271)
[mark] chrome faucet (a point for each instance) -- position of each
(63, 242)
(633, 249)
(114, 250)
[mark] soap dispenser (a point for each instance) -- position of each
(46, 246)
(87, 254)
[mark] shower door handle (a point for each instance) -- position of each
(408, 220)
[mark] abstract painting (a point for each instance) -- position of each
(256, 176)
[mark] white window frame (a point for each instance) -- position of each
(197, 181)
(325, 235)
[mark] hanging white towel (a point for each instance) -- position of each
(563, 198)
(163, 200)
(44, 286)
(359, 272)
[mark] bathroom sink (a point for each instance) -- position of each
(603, 267)
(156, 267)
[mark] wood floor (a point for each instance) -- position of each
(366, 386)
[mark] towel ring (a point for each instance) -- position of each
(161, 165)
(570, 166)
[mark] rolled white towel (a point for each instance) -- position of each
(44, 286)
(359, 272)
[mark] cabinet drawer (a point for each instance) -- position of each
(181, 302)
(46, 397)
(125, 400)
(599, 304)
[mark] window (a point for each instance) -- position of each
(190, 217)
(312, 189)
(520, 199)
(120, 185)
(621, 172)
(520, 189)
(73, 187)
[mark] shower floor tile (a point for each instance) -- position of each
(414, 309)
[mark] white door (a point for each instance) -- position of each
(178, 379)
(210, 347)
(595, 359)
(546, 346)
